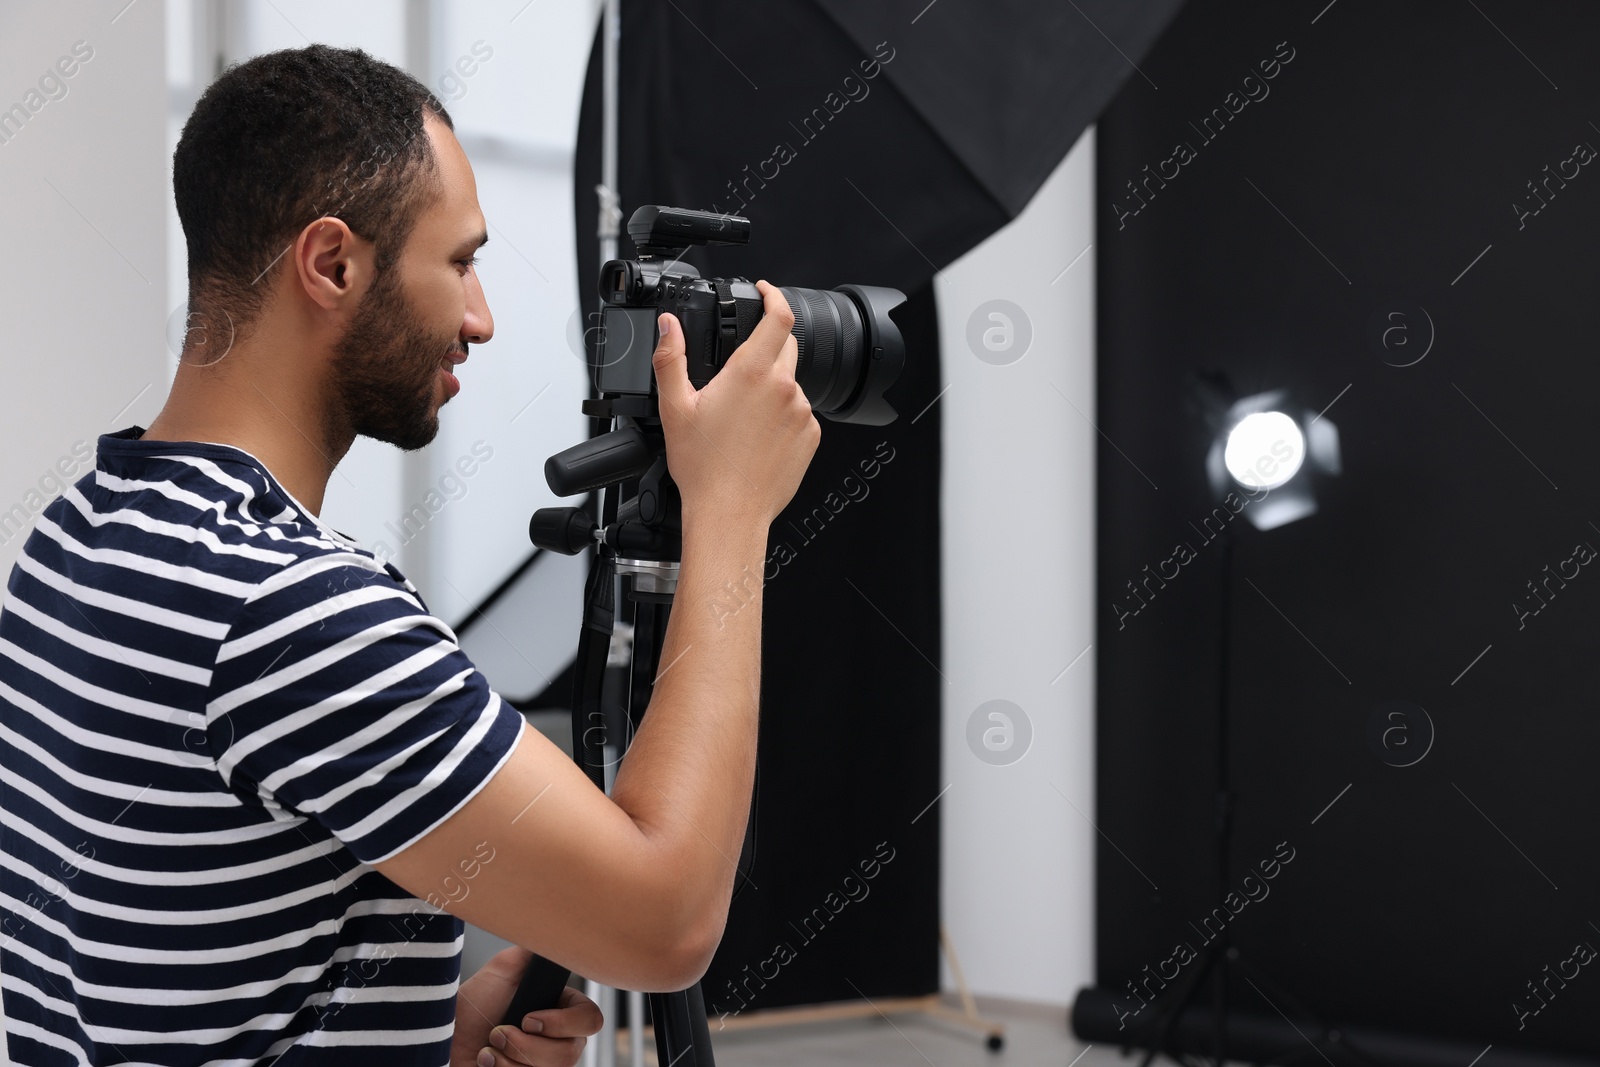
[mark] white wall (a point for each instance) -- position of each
(1018, 523)
(83, 275)
(516, 114)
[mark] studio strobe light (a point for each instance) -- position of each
(1273, 453)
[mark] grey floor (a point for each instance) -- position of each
(914, 1041)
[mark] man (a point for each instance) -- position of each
(240, 763)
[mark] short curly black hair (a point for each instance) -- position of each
(289, 137)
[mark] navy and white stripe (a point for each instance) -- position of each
(216, 714)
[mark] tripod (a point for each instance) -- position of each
(639, 540)
(1221, 958)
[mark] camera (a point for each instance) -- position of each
(850, 348)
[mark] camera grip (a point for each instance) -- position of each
(540, 988)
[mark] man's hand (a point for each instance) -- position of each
(738, 448)
(553, 1037)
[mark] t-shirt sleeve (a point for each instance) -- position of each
(338, 698)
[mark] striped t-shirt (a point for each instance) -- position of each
(215, 715)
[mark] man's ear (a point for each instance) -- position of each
(331, 262)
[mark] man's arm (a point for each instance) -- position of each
(633, 889)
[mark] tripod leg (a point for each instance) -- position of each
(682, 1037)
(1167, 1021)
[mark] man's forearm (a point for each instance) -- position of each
(687, 778)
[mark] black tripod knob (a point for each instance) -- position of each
(565, 530)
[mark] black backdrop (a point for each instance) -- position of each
(850, 708)
(1377, 175)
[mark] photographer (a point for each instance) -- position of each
(242, 761)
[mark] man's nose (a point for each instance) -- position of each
(478, 326)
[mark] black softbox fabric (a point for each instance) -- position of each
(879, 141)
(1007, 86)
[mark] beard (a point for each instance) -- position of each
(385, 369)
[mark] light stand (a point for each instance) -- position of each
(1256, 447)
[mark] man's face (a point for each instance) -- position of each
(392, 367)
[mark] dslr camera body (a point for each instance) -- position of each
(850, 349)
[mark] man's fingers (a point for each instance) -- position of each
(776, 321)
(789, 355)
(671, 362)
(572, 995)
(578, 1016)
(510, 962)
(531, 1050)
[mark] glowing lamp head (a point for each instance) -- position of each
(1267, 455)
(1265, 449)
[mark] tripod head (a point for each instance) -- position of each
(645, 538)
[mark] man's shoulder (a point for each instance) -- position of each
(218, 489)
(206, 532)
(322, 582)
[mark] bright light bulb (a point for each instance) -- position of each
(1264, 450)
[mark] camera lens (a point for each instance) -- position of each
(850, 350)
